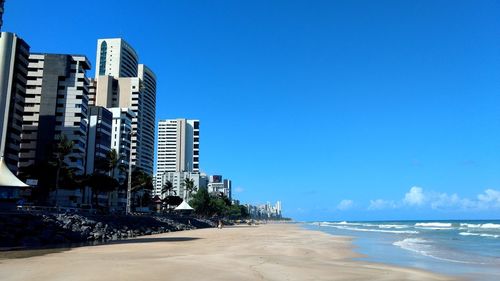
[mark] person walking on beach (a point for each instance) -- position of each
(220, 224)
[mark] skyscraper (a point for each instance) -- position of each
(56, 103)
(14, 53)
(178, 148)
(115, 57)
(98, 136)
(122, 82)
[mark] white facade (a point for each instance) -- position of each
(14, 54)
(122, 82)
(178, 148)
(120, 138)
(177, 180)
(115, 57)
(146, 122)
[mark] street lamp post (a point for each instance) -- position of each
(129, 182)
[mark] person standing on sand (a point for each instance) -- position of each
(220, 224)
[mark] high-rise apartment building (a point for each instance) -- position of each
(121, 133)
(115, 57)
(14, 53)
(98, 136)
(146, 124)
(178, 148)
(56, 103)
(122, 82)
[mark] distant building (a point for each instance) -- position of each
(14, 53)
(178, 148)
(265, 211)
(177, 180)
(56, 103)
(218, 185)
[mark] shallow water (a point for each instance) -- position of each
(466, 248)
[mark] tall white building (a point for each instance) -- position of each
(122, 82)
(14, 54)
(115, 57)
(178, 148)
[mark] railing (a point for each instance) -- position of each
(31, 208)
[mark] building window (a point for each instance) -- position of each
(102, 59)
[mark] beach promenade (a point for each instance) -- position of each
(265, 252)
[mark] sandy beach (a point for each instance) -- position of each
(265, 252)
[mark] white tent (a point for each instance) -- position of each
(7, 178)
(184, 206)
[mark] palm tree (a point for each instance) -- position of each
(113, 161)
(141, 181)
(63, 148)
(189, 187)
(167, 188)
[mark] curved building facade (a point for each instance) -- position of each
(147, 121)
(115, 57)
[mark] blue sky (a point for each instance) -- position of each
(342, 110)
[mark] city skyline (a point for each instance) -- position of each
(394, 108)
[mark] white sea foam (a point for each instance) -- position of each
(423, 247)
(479, 234)
(486, 225)
(374, 230)
(470, 225)
(434, 224)
(397, 226)
(491, 225)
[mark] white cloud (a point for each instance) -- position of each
(380, 204)
(418, 197)
(490, 198)
(239, 189)
(415, 196)
(345, 204)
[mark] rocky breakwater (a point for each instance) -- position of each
(29, 230)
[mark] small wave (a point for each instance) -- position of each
(479, 234)
(374, 230)
(486, 225)
(434, 228)
(423, 247)
(434, 224)
(397, 226)
(470, 225)
(491, 225)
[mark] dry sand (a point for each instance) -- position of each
(265, 252)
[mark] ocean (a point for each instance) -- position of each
(468, 249)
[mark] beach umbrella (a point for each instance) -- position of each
(184, 206)
(7, 178)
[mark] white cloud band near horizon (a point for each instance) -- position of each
(417, 197)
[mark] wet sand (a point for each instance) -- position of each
(265, 252)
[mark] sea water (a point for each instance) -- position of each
(469, 249)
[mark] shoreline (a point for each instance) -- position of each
(263, 252)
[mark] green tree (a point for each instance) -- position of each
(167, 188)
(141, 187)
(63, 148)
(189, 187)
(99, 182)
